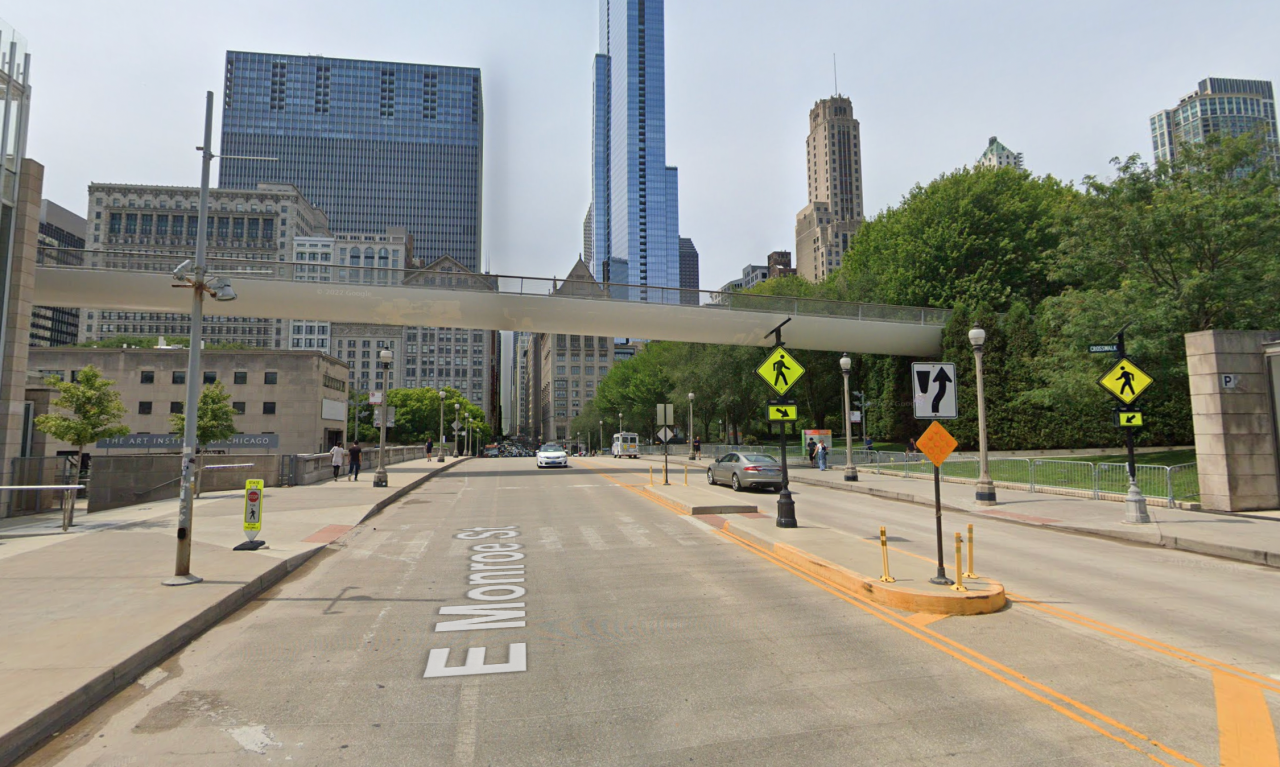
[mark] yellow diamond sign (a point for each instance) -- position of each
(780, 370)
(1125, 381)
(937, 443)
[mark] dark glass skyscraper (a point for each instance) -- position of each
(372, 144)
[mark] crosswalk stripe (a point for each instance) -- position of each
(593, 538)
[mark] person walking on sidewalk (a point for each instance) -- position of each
(812, 449)
(430, 446)
(697, 448)
(822, 455)
(354, 452)
(338, 453)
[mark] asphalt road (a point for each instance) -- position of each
(635, 636)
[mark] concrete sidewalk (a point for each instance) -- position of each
(1231, 536)
(83, 614)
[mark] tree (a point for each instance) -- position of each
(94, 409)
(418, 416)
(215, 418)
(133, 342)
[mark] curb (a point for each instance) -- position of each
(693, 511)
(986, 596)
(20, 741)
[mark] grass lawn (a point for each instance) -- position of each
(1166, 458)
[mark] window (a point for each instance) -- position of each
(144, 408)
(268, 408)
(241, 378)
(179, 376)
(210, 376)
(238, 407)
(269, 378)
(175, 407)
(148, 376)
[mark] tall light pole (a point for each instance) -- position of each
(196, 278)
(850, 471)
(602, 437)
(985, 493)
(456, 412)
(380, 476)
(619, 423)
(692, 455)
(442, 443)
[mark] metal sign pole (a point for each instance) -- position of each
(941, 578)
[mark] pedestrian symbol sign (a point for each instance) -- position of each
(252, 507)
(780, 370)
(782, 412)
(1125, 381)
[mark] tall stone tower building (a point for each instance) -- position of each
(834, 213)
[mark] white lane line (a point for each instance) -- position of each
(636, 534)
(625, 518)
(464, 750)
(550, 539)
(593, 538)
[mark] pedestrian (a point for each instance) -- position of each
(812, 449)
(337, 452)
(867, 444)
(697, 448)
(430, 446)
(354, 454)
(911, 445)
(822, 455)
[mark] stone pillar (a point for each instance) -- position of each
(1234, 418)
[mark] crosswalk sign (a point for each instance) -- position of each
(1125, 381)
(1128, 419)
(252, 508)
(782, 412)
(780, 370)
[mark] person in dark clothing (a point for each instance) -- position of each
(430, 446)
(353, 458)
(812, 447)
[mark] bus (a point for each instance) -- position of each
(626, 444)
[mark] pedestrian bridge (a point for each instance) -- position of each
(143, 283)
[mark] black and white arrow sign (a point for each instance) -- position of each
(934, 385)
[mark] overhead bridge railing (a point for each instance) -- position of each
(308, 267)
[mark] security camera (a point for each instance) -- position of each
(180, 274)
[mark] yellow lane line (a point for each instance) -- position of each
(920, 620)
(1246, 736)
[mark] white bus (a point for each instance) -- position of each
(626, 444)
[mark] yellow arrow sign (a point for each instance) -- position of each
(1125, 381)
(780, 370)
(782, 412)
(1129, 419)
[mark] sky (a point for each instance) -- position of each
(119, 92)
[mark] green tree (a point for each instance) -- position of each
(418, 416)
(215, 418)
(133, 342)
(93, 411)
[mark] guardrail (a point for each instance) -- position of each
(315, 467)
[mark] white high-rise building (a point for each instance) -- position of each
(998, 155)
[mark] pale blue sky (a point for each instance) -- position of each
(119, 92)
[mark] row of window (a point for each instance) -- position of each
(146, 408)
(239, 377)
(116, 202)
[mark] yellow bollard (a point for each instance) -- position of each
(970, 573)
(884, 556)
(686, 476)
(959, 586)
(650, 476)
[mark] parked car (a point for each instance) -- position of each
(551, 455)
(746, 470)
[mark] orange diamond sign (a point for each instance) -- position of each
(937, 443)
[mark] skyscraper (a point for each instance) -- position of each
(634, 198)
(373, 144)
(834, 164)
(1217, 105)
(689, 280)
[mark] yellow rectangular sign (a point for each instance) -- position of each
(253, 506)
(782, 412)
(1128, 419)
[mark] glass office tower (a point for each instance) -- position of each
(1218, 105)
(373, 144)
(634, 192)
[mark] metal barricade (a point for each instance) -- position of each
(1153, 481)
(1010, 470)
(1184, 482)
(1069, 475)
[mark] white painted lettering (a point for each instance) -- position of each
(485, 617)
(497, 556)
(480, 579)
(497, 547)
(477, 566)
(474, 664)
(484, 593)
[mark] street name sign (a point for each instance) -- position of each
(936, 443)
(783, 412)
(934, 390)
(1104, 348)
(1125, 381)
(780, 370)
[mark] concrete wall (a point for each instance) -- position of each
(123, 480)
(22, 284)
(1235, 427)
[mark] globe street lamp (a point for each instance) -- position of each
(985, 493)
(380, 476)
(850, 471)
(456, 408)
(692, 455)
(619, 423)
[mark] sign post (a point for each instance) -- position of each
(1126, 382)
(937, 443)
(252, 516)
(666, 417)
(780, 372)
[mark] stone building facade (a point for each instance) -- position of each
(568, 368)
(833, 158)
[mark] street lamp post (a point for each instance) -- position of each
(692, 455)
(441, 458)
(985, 493)
(456, 412)
(619, 423)
(850, 471)
(380, 476)
(602, 437)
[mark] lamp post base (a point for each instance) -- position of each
(985, 493)
(380, 478)
(440, 459)
(1135, 507)
(851, 474)
(786, 509)
(182, 580)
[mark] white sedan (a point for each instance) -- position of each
(552, 455)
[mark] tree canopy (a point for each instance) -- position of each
(93, 410)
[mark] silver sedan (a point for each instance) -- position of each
(743, 470)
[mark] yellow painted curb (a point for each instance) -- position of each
(984, 595)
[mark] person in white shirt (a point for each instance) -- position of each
(337, 452)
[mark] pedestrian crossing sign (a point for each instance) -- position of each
(780, 370)
(1125, 381)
